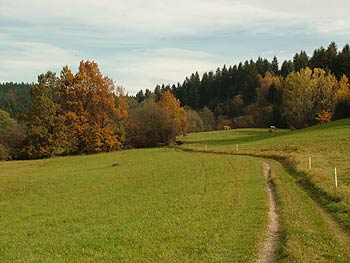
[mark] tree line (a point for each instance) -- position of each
(258, 93)
(86, 112)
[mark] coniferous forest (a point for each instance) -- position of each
(262, 93)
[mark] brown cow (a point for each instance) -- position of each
(227, 127)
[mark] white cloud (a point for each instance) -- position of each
(152, 17)
(140, 43)
(169, 18)
(152, 67)
(30, 58)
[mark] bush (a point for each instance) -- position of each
(4, 153)
(148, 126)
(208, 119)
(194, 121)
(323, 116)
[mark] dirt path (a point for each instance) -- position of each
(267, 251)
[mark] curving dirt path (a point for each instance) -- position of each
(267, 252)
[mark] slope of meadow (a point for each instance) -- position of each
(328, 146)
(152, 205)
(307, 232)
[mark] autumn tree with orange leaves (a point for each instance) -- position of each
(88, 104)
(75, 113)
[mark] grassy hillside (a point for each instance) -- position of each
(307, 232)
(153, 205)
(328, 146)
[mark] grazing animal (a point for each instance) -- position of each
(227, 127)
(272, 129)
(291, 128)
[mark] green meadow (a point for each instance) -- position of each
(307, 199)
(328, 145)
(203, 201)
(152, 205)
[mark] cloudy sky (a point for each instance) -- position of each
(141, 43)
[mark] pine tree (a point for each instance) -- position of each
(274, 66)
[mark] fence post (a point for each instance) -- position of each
(335, 177)
(310, 164)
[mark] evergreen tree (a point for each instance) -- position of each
(15, 98)
(287, 67)
(331, 54)
(140, 96)
(157, 93)
(342, 63)
(300, 61)
(274, 66)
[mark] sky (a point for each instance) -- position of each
(142, 43)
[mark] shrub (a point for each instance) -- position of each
(4, 153)
(148, 126)
(194, 121)
(208, 119)
(323, 116)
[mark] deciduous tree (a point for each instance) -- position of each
(169, 103)
(149, 125)
(44, 123)
(194, 121)
(307, 93)
(88, 102)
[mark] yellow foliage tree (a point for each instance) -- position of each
(342, 109)
(343, 93)
(88, 102)
(176, 112)
(308, 93)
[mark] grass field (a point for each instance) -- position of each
(307, 232)
(152, 205)
(169, 205)
(328, 146)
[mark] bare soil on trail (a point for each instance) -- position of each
(267, 252)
